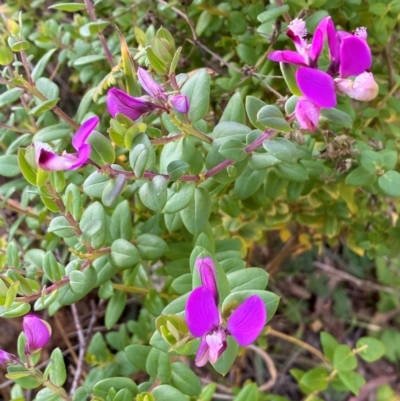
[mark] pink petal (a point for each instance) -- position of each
(217, 344)
(287, 56)
(37, 333)
(208, 275)
(327, 26)
(147, 82)
(84, 131)
(202, 315)
(46, 159)
(180, 103)
(317, 46)
(355, 56)
(6, 357)
(132, 107)
(363, 88)
(247, 321)
(202, 353)
(83, 156)
(307, 114)
(317, 86)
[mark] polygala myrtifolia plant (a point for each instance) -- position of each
(152, 199)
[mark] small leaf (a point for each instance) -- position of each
(389, 183)
(344, 359)
(374, 349)
(70, 7)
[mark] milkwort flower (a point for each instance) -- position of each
(37, 333)
(135, 107)
(349, 55)
(47, 159)
(204, 318)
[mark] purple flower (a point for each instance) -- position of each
(37, 333)
(6, 357)
(363, 87)
(204, 320)
(180, 103)
(154, 89)
(132, 107)
(208, 275)
(48, 160)
(307, 114)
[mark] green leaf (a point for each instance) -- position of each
(95, 212)
(9, 166)
(20, 45)
(389, 158)
(360, 177)
(249, 392)
(114, 309)
(270, 116)
(344, 359)
(60, 226)
(102, 151)
(261, 161)
(272, 14)
(373, 349)
(233, 149)
(58, 373)
(43, 107)
(10, 96)
(379, 9)
(181, 199)
(88, 59)
(315, 379)
(389, 183)
(52, 133)
(253, 106)
(78, 282)
(158, 365)
(165, 392)
(297, 172)
(371, 161)
(184, 379)
(6, 55)
(151, 247)
(113, 189)
(26, 169)
(137, 354)
(153, 194)
(337, 117)
(48, 88)
(352, 380)
(102, 388)
(139, 159)
(329, 345)
(252, 278)
(94, 184)
(121, 222)
(248, 182)
(289, 74)
(52, 269)
(197, 89)
(195, 216)
(282, 149)
(41, 65)
(124, 254)
(226, 360)
(176, 169)
(234, 110)
(156, 62)
(70, 7)
(93, 28)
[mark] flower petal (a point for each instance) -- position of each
(202, 315)
(317, 86)
(46, 159)
(317, 46)
(327, 26)
(247, 321)
(208, 275)
(217, 344)
(6, 357)
(83, 156)
(132, 107)
(147, 82)
(307, 114)
(287, 56)
(355, 56)
(180, 103)
(363, 88)
(202, 353)
(84, 131)
(37, 333)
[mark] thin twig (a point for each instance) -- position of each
(82, 349)
(348, 277)
(270, 365)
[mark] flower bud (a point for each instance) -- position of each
(37, 333)
(180, 103)
(6, 357)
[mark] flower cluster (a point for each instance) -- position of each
(204, 318)
(350, 56)
(157, 99)
(37, 333)
(46, 159)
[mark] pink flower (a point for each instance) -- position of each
(307, 114)
(37, 333)
(180, 103)
(363, 87)
(204, 319)
(6, 357)
(46, 159)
